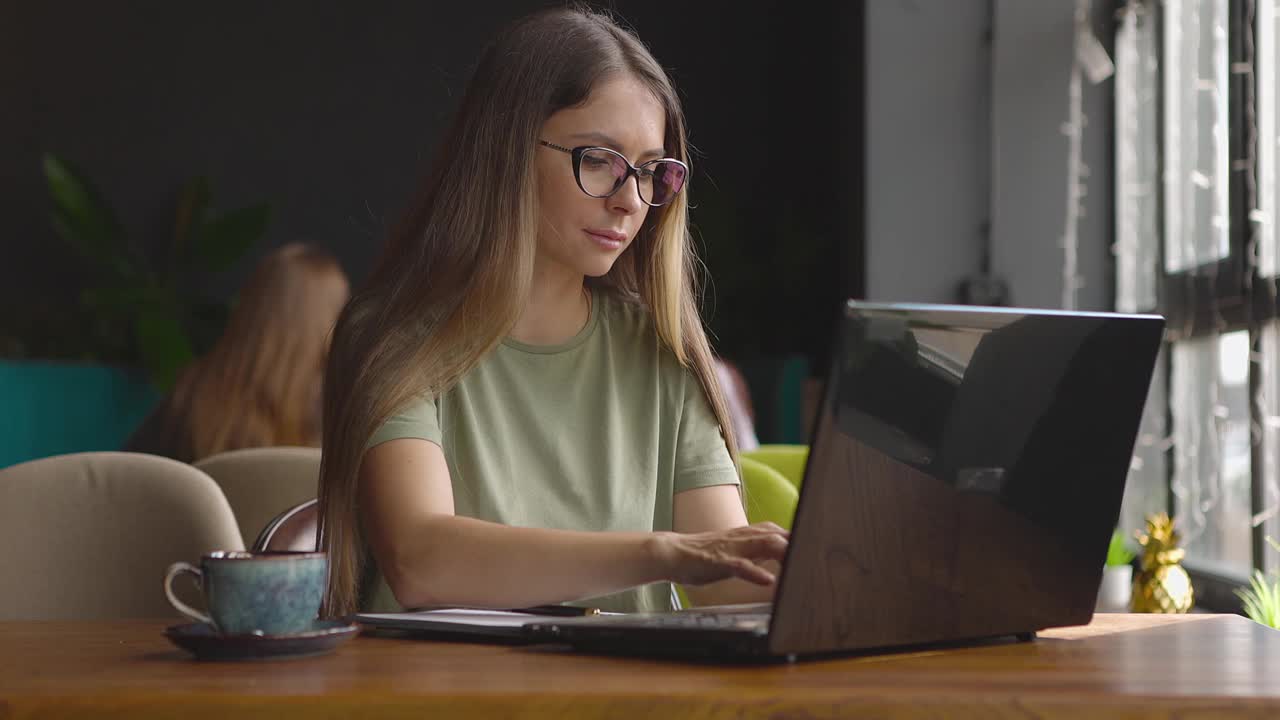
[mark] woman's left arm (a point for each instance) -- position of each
(718, 507)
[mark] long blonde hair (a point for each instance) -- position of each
(260, 384)
(450, 283)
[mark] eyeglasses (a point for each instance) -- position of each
(600, 172)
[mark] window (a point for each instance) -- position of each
(1266, 244)
(1195, 134)
(1210, 409)
(1137, 253)
(1196, 202)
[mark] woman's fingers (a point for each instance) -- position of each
(743, 556)
(768, 547)
(763, 543)
(752, 572)
(771, 527)
(738, 552)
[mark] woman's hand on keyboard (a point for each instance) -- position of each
(706, 557)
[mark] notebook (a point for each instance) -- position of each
(468, 623)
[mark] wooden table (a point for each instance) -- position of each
(1136, 666)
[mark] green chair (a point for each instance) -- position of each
(770, 495)
(789, 460)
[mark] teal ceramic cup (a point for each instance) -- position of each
(271, 593)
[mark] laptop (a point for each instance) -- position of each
(965, 475)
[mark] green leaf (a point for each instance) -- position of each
(192, 205)
(1117, 553)
(163, 344)
(1274, 615)
(124, 300)
(84, 220)
(1268, 599)
(116, 264)
(225, 239)
(1261, 601)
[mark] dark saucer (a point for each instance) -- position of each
(206, 643)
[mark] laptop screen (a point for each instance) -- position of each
(967, 469)
(1039, 410)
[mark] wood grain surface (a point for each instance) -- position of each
(1146, 666)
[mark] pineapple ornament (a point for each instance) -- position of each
(1162, 586)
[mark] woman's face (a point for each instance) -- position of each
(584, 235)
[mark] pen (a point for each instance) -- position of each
(560, 610)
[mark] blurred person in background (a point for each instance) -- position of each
(737, 400)
(260, 385)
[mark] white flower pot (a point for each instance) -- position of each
(1116, 587)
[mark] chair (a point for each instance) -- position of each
(261, 482)
(770, 496)
(293, 529)
(88, 536)
(786, 459)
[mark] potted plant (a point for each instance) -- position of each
(80, 374)
(1117, 576)
(1262, 600)
(144, 308)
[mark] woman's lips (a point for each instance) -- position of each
(608, 239)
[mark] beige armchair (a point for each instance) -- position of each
(89, 535)
(260, 483)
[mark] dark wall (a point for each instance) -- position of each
(326, 110)
(330, 112)
(774, 107)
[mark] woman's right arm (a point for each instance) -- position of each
(430, 557)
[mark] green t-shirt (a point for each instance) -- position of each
(597, 433)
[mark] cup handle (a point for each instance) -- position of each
(174, 571)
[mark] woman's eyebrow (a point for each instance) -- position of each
(609, 142)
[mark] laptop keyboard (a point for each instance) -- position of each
(702, 621)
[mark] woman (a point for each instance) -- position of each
(520, 407)
(260, 384)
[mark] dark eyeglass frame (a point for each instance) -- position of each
(632, 170)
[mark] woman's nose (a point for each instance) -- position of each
(627, 200)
